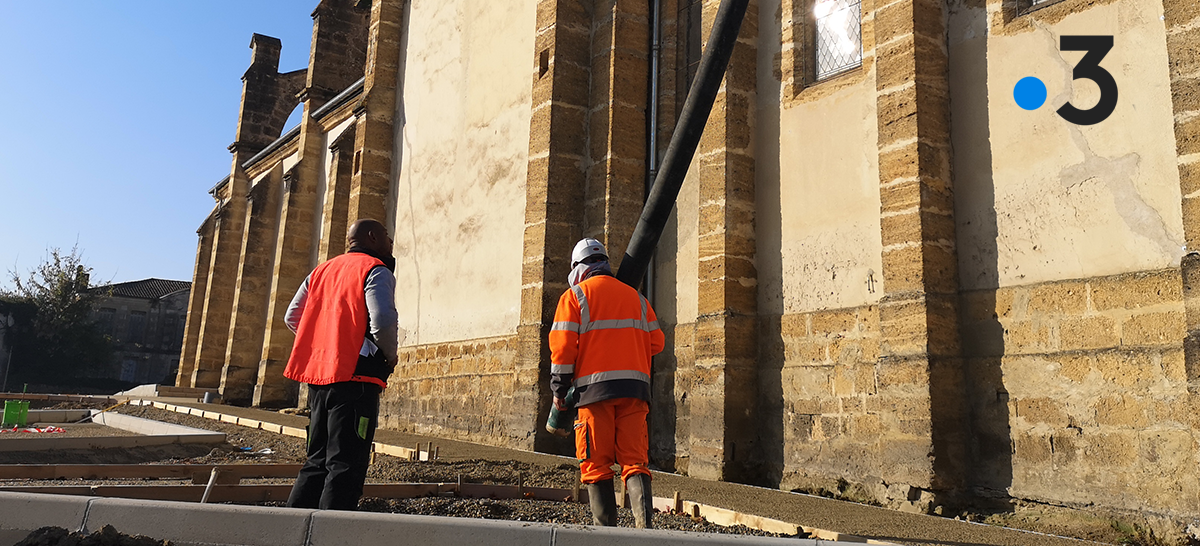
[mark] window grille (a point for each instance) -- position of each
(137, 327)
(838, 38)
(1026, 6)
(105, 320)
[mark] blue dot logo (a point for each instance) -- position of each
(1030, 93)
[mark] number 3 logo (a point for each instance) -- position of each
(1089, 69)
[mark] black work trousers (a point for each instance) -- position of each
(341, 429)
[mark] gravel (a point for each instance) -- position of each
(243, 442)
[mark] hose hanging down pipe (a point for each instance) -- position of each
(682, 148)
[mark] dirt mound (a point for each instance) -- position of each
(107, 536)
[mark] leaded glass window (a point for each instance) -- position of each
(838, 36)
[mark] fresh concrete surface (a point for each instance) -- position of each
(154, 428)
(190, 524)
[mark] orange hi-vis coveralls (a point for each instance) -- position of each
(603, 336)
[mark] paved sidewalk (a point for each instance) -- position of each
(811, 511)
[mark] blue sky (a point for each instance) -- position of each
(116, 118)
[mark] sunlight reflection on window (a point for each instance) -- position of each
(838, 36)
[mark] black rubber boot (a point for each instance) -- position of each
(603, 499)
(641, 500)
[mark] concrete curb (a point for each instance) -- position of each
(152, 433)
(150, 427)
(57, 416)
(190, 524)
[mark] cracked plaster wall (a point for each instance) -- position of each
(817, 183)
(464, 146)
(1069, 201)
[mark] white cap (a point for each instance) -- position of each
(585, 248)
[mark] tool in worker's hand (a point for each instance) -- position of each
(561, 422)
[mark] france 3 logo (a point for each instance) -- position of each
(1030, 92)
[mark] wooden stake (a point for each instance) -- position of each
(678, 503)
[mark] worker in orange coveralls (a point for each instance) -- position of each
(603, 336)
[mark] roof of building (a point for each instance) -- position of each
(149, 289)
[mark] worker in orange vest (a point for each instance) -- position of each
(345, 320)
(603, 336)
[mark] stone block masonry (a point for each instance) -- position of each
(1086, 380)
(201, 272)
(471, 390)
(724, 376)
(240, 371)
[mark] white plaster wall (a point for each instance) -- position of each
(829, 202)
(290, 161)
(1070, 201)
(460, 192)
(817, 187)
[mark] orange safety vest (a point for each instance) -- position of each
(334, 323)
(604, 331)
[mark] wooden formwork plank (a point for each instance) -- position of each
(722, 516)
(258, 493)
(481, 491)
(103, 471)
(297, 432)
(394, 451)
(272, 427)
(193, 493)
(293, 431)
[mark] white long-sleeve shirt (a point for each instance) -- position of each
(380, 292)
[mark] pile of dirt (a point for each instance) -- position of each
(106, 536)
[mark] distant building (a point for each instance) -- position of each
(145, 319)
(5, 347)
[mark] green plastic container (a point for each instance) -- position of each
(561, 423)
(16, 412)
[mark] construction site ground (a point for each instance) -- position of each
(475, 463)
(489, 464)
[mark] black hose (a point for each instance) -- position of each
(686, 137)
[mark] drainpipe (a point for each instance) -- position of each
(683, 144)
(652, 156)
